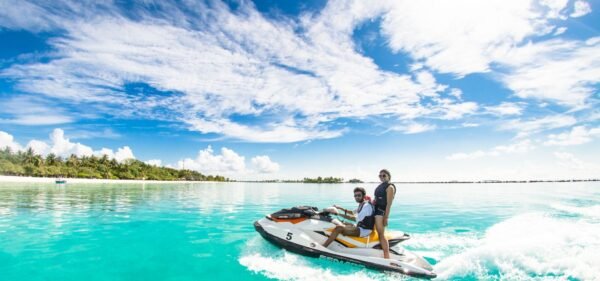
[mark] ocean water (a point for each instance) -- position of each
(547, 231)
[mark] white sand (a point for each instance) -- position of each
(76, 180)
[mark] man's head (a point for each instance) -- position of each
(359, 194)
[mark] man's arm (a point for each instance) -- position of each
(347, 214)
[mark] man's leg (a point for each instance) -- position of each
(338, 229)
(351, 230)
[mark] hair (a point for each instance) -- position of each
(361, 190)
(385, 171)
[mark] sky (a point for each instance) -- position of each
(254, 90)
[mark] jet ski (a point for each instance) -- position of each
(304, 229)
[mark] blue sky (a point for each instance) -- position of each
(432, 90)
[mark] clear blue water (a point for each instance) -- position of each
(90, 232)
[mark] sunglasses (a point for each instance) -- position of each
(382, 175)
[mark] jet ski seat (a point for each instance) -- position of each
(371, 241)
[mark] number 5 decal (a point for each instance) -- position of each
(289, 236)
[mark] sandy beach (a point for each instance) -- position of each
(79, 180)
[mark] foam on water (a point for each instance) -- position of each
(533, 246)
(279, 264)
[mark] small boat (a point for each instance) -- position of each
(60, 181)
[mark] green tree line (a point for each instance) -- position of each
(27, 163)
(323, 180)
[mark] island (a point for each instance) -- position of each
(29, 164)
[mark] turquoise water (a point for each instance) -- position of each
(90, 232)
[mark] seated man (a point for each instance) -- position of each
(363, 215)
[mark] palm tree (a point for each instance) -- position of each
(72, 161)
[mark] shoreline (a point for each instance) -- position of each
(24, 179)
(19, 179)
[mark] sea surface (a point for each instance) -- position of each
(546, 231)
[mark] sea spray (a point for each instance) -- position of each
(279, 264)
(533, 246)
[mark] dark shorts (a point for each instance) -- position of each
(379, 212)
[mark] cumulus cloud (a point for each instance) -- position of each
(124, 153)
(7, 140)
(208, 162)
(519, 147)
(577, 135)
(263, 164)
(62, 146)
(39, 147)
(228, 162)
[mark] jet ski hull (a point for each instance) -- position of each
(301, 242)
(282, 243)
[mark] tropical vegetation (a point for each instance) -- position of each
(323, 180)
(27, 163)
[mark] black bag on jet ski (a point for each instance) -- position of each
(295, 212)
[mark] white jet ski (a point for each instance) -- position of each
(303, 230)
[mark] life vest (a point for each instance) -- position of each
(381, 195)
(368, 222)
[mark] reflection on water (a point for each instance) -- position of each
(204, 231)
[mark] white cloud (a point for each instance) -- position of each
(263, 164)
(532, 126)
(470, 36)
(465, 36)
(61, 146)
(154, 162)
(519, 147)
(213, 64)
(560, 31)
(415, 128)
(577, 135)
(7, 140)
(452, 111)
(124, 153)
(30, 111)
(220, 63)
(564, 72)
(470, 125)
(39, 120)
(105, 151)
(581, 8)
(505, 108)
(227, 162)
(39, 147)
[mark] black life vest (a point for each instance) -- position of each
(381, 195)
(368, 222)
